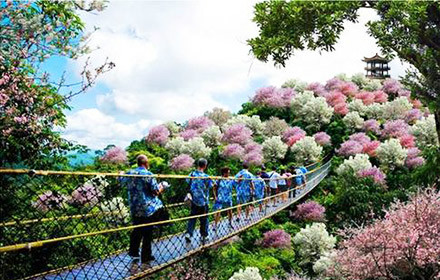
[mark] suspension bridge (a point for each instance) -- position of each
(26, 237)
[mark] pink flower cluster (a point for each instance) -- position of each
(375, 173)
(391, 86)
(370, 148)
(346, 88)
(349, 148)
(380, 96)
(115, 155)
(293, 134)
(309, 211)
(182, 162)
(367, 97)
(237, 134)
(403, 245)
(86, 195)
(233, 151)
(322, 138)
(413, 115)
(395, 129)
(413, 158)
(337, 100)
(372, 125)
(189, 134)
(253, 153)
(318, 89)
(273, 97)
(49, 201)
(199, 124)
(407, 141)
(158, 134)
(276, 238)
(358, 143)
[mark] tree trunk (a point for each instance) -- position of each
(437, 123)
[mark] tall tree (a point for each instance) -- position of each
(408, 29)
(32, 105)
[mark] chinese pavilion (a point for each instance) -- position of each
(377, 67)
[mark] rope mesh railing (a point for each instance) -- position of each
(70, 225)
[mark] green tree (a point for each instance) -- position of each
(408, 29)
(32, 105)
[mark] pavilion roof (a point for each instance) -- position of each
(376, 57)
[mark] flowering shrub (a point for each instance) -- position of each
(371, 125)
(115, 211)
(341, 109)
(360, 137)
(172, 127)
(335, 97)
(349, 148)
(391, 86)
(367, 97)
(273, 97)
(199, 124)
(322, 138)
(413, 159)
(254, 123)
(234, 151)
(357, 106)
(309, 211)
(375, 173)
(306, 150)
(317, 88)
(158, 134)
(115, 155)
(425, 132)
(312, 242)
(189, 134)
(295, 84)
(353, 120)
(407, 141)
(396, 109)
(88, 194)
(324, 262)
(372, 85)
(395, 128)
(237, 134)
(292, 131)
(196, 148)
(253, 158)
(253, 147)
(49, 201)
(354, 164)
(403, 245)
(370, 148)
(380, 96)
(312, 110)
(391, 153)
(219, 116)
(276, 238)
(413, 115)
(250, 273)
(212, 136)
(275, 127)
(182, 162)
(374, 111)
(175, 146)
(274, 148)
(188, 269)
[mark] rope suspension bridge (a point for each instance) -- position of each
(76, 225)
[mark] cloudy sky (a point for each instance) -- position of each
(177, 59)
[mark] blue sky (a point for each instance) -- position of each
(177, 59)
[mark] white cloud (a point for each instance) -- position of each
(96, 130)
(175, 60)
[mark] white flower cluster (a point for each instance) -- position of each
(172, 127)
(391, 153)
(396, 109)
(194, 147)
(254, 123)
(275, 127)
(324, 262)
(354, 164)
(115, 211)
(313, 241)
(297, 85)
(274, 148)
(372, 85)
(219, 116)
(212, 136)
(425, 132)
(374, 111)
(357, 106)
(250, 273)
(353, 120)
(306, 150)
(314, 111)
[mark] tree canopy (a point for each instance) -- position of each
(408, 29)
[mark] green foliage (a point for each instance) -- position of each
(429, 173)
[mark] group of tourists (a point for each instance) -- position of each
(146, 207)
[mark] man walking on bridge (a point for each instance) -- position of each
(199, 189)
(145, 207)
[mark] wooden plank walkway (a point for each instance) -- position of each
(174, 248)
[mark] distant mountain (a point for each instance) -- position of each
(80, 159)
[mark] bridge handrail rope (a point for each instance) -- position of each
(83, 216)
(39, 243)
